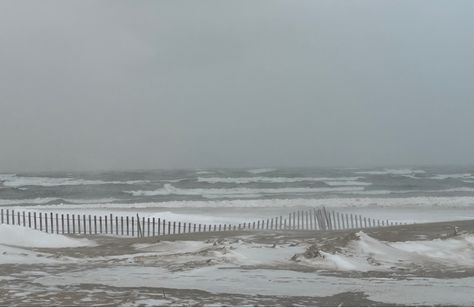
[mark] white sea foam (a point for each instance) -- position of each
(244, 180)
(40, 200)
(452, 176)
(350, 202)
(169, 189)
(394, 192)
(203, 172)
(15, 181)
(347, 183)
(402, 171)
(261, 170)
(45, 200)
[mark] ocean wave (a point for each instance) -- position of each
(244, 180)
(336, 202)
(347, 183)
(46, 200)
(39, 200)
(15, 181)
(387, 171)
(261, 170)
(452, 176)
(386, 192)
(203, 172)
(169, 189)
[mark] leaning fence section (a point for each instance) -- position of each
(313, 219)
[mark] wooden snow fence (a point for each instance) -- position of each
(314, 219)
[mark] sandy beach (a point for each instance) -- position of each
(246, 268)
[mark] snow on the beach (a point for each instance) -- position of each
(416, 290)
(26, 237)
(15, 255)
(369, 254)
(233, 252)
(242, 266)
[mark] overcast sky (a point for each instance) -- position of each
(178, 84)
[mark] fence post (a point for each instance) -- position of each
(67, 221)
(133, 227)
(321, 222)
(128, 228)
(34, 219)
(62, 223)
(106, 224)
(148, 226)
(139, 227)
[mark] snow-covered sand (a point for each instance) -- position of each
(412, 264)
(22, 236)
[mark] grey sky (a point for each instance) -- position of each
(164, 84)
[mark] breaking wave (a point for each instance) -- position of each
(46, 200)
(261, 170)
(169, 189)
(15, 181)
(244, 180)
(452, 176)
(400, 172)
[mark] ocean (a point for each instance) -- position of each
(414, 194)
